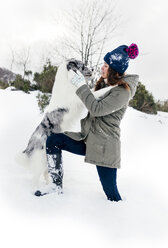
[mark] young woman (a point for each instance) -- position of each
(99, 138)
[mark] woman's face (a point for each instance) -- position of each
(104, 70)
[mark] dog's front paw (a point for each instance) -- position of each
(48, 189)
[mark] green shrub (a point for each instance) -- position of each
(3, 85)
(21, 84)
(143, 100)
(46, 78)
(43, 101)
(162, 105)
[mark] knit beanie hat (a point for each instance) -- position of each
(118, 59)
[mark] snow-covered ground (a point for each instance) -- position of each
(82, 217)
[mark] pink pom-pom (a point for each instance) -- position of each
(132, 51)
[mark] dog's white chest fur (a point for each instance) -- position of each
(64, 96)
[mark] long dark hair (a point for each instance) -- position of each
(113, 78)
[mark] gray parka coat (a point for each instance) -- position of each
(100, 128)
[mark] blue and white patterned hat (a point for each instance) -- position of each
(118, 59)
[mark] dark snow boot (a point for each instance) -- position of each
(55, 171)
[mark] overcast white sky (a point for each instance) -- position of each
(31, 22)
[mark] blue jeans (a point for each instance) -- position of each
(57, 142)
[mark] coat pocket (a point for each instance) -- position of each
(94, 153)
(94, 148)
(112, 153)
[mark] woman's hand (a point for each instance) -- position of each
(76, 78)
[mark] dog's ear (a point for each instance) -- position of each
(72, 66)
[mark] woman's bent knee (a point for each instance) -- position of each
(52, 143)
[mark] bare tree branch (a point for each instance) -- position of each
(23, 59)
(13, 59)
(91, 26)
